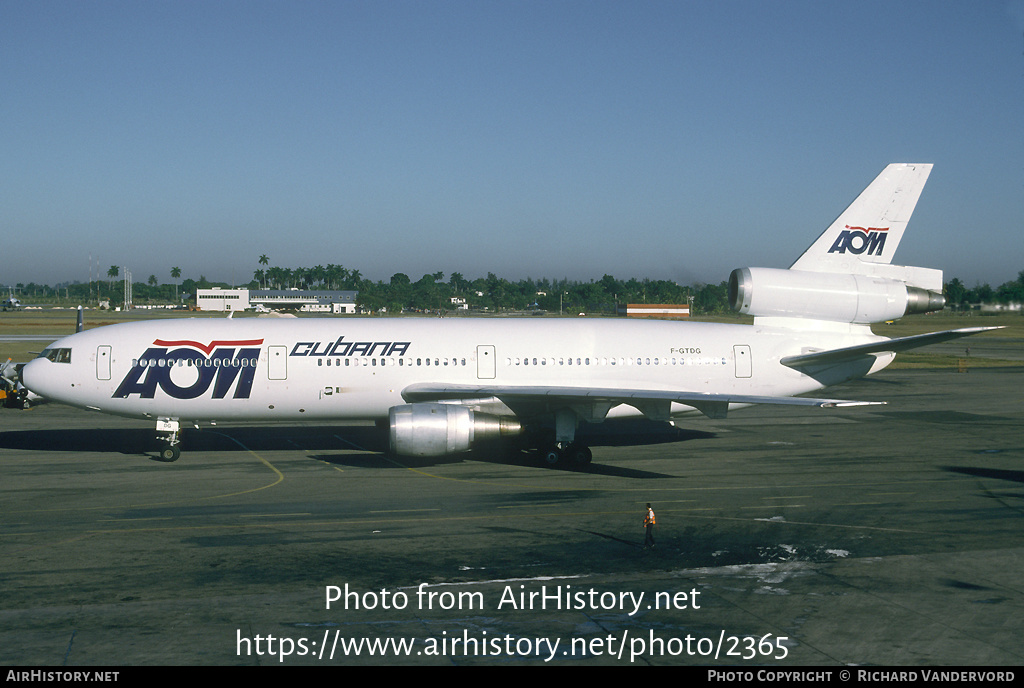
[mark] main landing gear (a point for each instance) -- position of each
(574, 454)
(172, 451)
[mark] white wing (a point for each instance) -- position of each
(593, 403)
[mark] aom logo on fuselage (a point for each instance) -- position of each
(191, 369)
(857, 240)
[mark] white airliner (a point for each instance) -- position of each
(443, 385)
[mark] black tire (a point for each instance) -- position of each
(580, 455)
(170, 454)
(551, 457)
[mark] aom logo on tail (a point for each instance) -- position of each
(857, 240)
(188, 372)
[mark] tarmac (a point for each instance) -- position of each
(881, 535)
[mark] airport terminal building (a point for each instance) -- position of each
(276, 299)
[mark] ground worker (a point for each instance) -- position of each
(649, 526)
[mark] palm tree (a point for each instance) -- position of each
(175, 273)
(264, 261)
(112, 273)
(274, 276)
(300, 277)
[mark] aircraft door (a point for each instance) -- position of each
(744, 366)
(485, 366)
(103, 362)
(277, 362)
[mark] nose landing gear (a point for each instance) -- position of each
(172, 451)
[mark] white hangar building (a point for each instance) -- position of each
(276, 299)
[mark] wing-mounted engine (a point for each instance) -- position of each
(433, 429)
(846, 298)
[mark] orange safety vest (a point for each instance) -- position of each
(650, 517)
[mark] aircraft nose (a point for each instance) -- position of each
(32, 377)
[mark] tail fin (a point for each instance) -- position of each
(867, 234)
(847, 274)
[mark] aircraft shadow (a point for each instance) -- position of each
(532, 460)
(633, 433)
(115, 440)
(999, 474)
(135, 441)
(494, 455)
(324, 443)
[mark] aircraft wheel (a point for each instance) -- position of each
(551, 456)
(580, 455)
(170, 454)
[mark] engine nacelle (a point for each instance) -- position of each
(826, 296)
(432, 429)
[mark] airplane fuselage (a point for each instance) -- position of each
(327, 368)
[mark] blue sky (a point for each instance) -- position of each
(671, 140)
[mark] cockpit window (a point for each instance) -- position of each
(57, 355)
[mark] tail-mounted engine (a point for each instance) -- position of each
(431, 429)
(844, 298)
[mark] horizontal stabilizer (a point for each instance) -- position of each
(851, 353)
